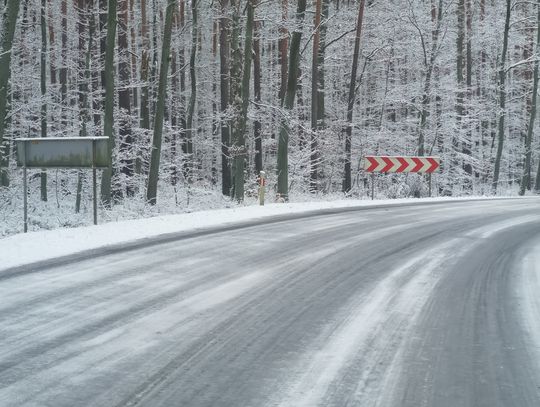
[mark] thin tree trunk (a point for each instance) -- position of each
(224, 57)
(467, 145)
(236, 86)
(526, 182)
(108, 120)
(283, 49)
(11, 11)
(257, 127)
(502, 98)
(436, 16)
(153, 176)
(43, 80)
(84, 8)
(193, 96)
(183, 108)
(239, 127)
(283, 143)
(314, 158)
(352, 96)
(124, 99)
(145, 67)
(63, 74)
(460, 94)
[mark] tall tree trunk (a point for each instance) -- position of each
(321, 64)
(236, 86)
(224, 70)
(64, 68)
(124, 99)
(43, 80)
(215, 117)
(352, 96)
(314, 156)
(11, 11)
(467, 145)
(240, 123)
(257, 127)
(283, 49)
(436, 17)
(460, 94)
(183, 107)
(145, 67)
(502, 98)
(84, 9)
(108, 120)
(526, 181)
(153, 176)
(193, 97)
(283, 143)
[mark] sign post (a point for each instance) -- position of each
(400, 164)
(372, 186)
(62, 152)
(262, 184)
(25, 189)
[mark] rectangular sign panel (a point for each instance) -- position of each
(65, 152)
(401, 164)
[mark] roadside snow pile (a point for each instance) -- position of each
(32, 247)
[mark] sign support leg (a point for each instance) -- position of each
(372, 186)
(94, 181)
(429, 184)
(262, 183)
(25, 199)
(94, 187)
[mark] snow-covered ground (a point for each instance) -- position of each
(32, 247)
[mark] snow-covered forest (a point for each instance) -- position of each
(198, 96)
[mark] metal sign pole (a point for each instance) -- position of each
(94, 181)
(429, 183)
(372, 186)
(25, 190)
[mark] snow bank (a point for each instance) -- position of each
(22, 249)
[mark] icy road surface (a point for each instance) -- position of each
(430, 305)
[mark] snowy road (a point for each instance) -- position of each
(430, 305)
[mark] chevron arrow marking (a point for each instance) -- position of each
(400, 164)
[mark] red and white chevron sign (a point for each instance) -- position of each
(401, 164)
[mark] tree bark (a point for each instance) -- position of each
(526, 181)
(314, 156)
(43, 80)
(84, 8)
(108, 120)
(224, 57)
(193, 97)
(239, 134)
(124, 99)
(436, 16)
(283, 49)
(257, 127)
(502, 98)
(145, 67)
(11, 12)
(153, 176)
(283, 142)
(352, 96)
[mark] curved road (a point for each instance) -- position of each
(425, 305)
